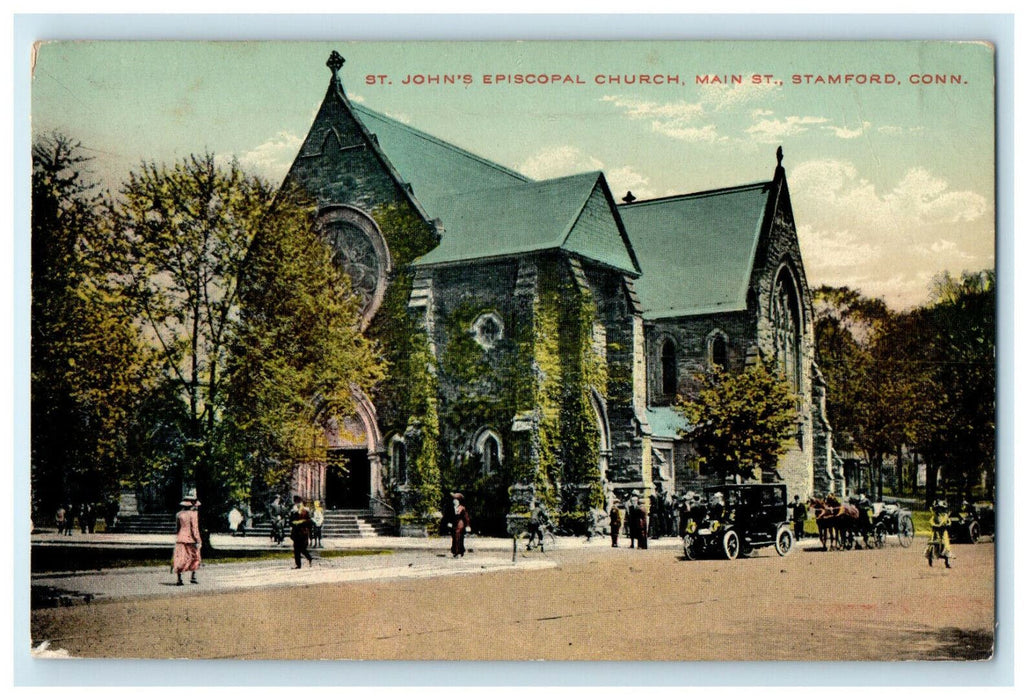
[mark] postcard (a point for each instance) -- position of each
(631, 351)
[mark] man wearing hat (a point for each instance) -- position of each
(300, 524)
(187, 553)
(459, 524)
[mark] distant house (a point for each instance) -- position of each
(553, 325)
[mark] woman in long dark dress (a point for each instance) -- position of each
(459, 524)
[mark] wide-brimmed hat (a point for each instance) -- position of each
(188, 502)
(458, 496)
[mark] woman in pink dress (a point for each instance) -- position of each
(187, 554)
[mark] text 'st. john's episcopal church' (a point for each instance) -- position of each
(539, 332)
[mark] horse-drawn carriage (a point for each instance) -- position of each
(861, 523)
(738, 519)
(893, 520)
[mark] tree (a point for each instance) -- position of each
(250, 318)
(740, 423)
(89, 365)
(298, 358)
(961, 358)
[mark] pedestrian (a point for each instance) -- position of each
(655, 516)
(300, 523)
(798, 514)
(187, 553)
(537, 520)
(616, 523)
(234, 519)
(459, 522)
(59, 518)
(273, 510)
(637, 519)
(939, 545)
(85, 518)
(317, 539)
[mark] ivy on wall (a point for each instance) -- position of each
(407, 399)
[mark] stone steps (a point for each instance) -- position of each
(337, 523)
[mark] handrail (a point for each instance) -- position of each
(386, 504)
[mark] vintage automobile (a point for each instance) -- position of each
(968, 522)
(754, 516)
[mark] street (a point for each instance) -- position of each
(576, 602)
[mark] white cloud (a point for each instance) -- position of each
(272, 158)
(720, 96)
(843, 132)
(887, 241)
(708, 133)
(400, 117)
(558, 161)
(644, 109)
(625, 179)
(772, 130)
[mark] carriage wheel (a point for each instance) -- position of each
(879, 536)
(784, 541)
(973, 532)
(731, 545)
(688, 547)
(906, 531)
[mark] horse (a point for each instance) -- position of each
(837, 522)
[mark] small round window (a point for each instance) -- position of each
(488, 330)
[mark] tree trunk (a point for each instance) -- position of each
(931, 489)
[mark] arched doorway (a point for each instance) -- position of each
(349, 478)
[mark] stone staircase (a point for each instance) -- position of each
(146, 524)
(337, 523)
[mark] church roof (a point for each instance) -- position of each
(574, 214)
(697, 250)
(433, 167)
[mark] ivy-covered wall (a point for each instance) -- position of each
(532, 387)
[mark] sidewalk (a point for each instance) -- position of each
(409, 557)
(398, 544)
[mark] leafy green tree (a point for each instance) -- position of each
(297, 357)
(960, 355)
(740, 423)
(89, 365)
(180, 237)
(257, 330)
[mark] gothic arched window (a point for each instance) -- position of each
(787, 326)
(719, 353)
(490, 448)
(669, 369)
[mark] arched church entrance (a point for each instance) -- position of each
(349, 478)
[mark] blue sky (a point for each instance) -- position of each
(890, 184)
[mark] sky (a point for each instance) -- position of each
(891, 184)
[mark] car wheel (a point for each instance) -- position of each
(973, 532)
(688, 547)
(731, 545)
(784, 541)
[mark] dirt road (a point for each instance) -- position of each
(600, 603)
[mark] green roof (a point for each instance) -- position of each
(697, 250)
(571, 213)
(666, 422)
(433, 167)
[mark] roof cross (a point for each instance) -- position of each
(335, 62)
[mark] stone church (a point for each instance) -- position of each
(539, 332)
